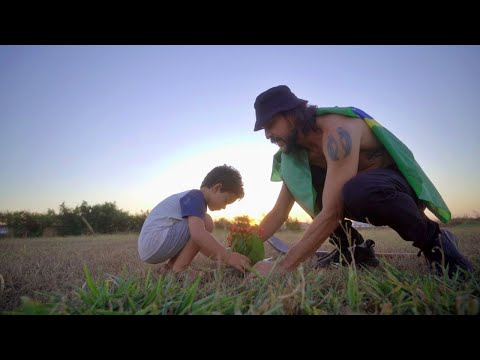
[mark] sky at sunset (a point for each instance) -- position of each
(135, 124)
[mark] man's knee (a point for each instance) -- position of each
(208, 223)
(355, 194)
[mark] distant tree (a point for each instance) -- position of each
(48, 223)
(104, 218)
(136, 221)
(24, 223)
(108, 219)
(69, 221)
(18, 222)
(222, 223)
(292, 224)
(242, 221)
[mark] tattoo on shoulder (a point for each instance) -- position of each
(332, 148)
(335, 150)
(345, 140)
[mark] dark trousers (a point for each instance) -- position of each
(381, 197)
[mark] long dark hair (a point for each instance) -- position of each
(304, 117)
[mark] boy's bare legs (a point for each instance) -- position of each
(184, 258)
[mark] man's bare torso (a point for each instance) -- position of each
(372, 153)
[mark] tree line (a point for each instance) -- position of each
(86, 219)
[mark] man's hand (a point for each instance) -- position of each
(237, 261)
(263, 267)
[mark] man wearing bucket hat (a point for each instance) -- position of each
(339, 163)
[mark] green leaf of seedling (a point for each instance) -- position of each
(251, 247)
(257, 250)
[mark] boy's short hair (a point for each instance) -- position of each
(228, 176)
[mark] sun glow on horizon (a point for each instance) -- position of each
(252, 159)
(296, 213)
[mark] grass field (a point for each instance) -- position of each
(103, 275)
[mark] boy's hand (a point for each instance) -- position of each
(237, 261)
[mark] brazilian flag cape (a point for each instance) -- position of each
(294, 169)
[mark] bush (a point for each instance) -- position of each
(242, 221)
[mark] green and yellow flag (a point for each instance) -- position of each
(294, 168)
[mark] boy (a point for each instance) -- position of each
(179, 227)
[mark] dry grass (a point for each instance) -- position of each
(34, 267)
(56, 264)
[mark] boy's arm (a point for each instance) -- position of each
(279, 214)
(211, 247)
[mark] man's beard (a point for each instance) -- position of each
(290, 142)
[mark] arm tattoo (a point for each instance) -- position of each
(332, 148)
(345, 140)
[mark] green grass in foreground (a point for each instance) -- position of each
(221, 291)
(103, 275)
